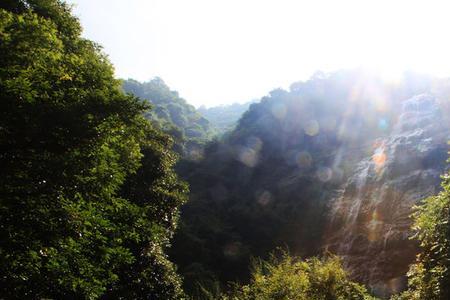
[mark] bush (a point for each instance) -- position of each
(290, 278)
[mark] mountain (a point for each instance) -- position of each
(173, 115)
(91, 191)
(225, 117)
(315, 169)
(370, 218)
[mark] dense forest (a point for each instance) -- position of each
(89, 196)
(336, 188)
(173, 115)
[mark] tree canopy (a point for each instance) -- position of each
(89, 198)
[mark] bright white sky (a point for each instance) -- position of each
(215, 52)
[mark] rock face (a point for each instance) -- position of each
(370, 219)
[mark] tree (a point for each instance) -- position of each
(290, 278)
(429, 277)
(89, 199)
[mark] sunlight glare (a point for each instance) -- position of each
(216, 52)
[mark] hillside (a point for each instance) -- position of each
(278, 178)
(224, 117)
(173, 115)
(337, 188)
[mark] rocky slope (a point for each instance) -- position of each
(369, 219)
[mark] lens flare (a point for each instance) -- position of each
(379, 158)
(304, 159)
(312, 128)
(374, 227)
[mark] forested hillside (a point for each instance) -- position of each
(273, 181)
(335, 189)
(173, 115)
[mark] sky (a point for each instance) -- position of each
(224, 51)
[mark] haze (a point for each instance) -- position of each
(218, 52)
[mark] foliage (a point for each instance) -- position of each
(89, 199)
(429, 277)
(173, 115)
(289, 278)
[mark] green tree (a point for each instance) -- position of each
(89, 200)
(173, 115)
(289, 278)
(429, 277)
